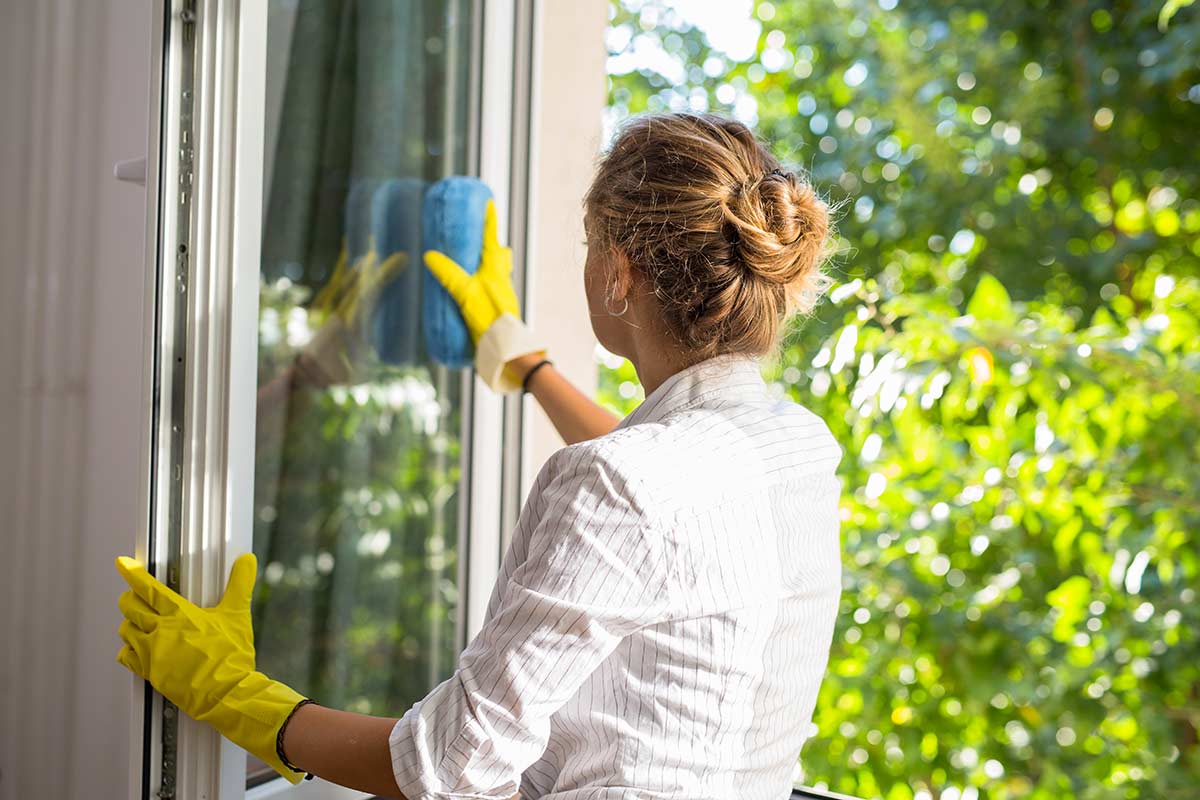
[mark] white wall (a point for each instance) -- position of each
(73, 89)
(569, 95)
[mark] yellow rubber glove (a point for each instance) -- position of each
(352, 289)
(202, 659)
(337, 350)
(488, 302)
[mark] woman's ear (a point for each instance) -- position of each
(620, 275)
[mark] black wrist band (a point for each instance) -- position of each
(308, 776)
(533, 369)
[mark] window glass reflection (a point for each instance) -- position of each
(357, 451)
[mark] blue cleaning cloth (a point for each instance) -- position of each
(395, 225)
(452, 223)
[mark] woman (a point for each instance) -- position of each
(664, 611)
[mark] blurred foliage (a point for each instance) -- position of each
(355, 523)
(1020, 530)
(1011, 361)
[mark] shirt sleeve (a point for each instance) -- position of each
(592, 570)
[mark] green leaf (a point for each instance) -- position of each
(990, 300)
(1070, 599)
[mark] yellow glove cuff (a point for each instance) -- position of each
(251, 714)
(505, 339)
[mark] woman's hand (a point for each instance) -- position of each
(202, 659)
(488, 293)
(488, 302)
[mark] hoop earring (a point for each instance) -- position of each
(616, 313)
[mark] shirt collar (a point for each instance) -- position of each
(721, 379)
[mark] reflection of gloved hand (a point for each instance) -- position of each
(338, 347)
(202, 659)
(488, 303)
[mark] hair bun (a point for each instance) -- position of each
(778, 226)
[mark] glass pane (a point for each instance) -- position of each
(357, 457)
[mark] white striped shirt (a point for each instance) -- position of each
(663, 615)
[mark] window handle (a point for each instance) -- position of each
(131, 171)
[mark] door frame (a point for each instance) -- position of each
(205, 237)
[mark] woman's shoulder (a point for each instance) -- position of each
(696, 458)
(614, 470)
(627, 451)
(612, 451)
(698, 436)
(703, 455)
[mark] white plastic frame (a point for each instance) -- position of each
(219, 371)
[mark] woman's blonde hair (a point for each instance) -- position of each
(730, 241)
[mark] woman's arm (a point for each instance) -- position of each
(348, 749)
(343, 748)
(575, 416)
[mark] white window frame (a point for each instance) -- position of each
(201, 435)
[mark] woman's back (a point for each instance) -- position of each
(714, 698)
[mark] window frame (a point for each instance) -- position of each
(203, 344)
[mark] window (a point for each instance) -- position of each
(296, 142)
(358, 480)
